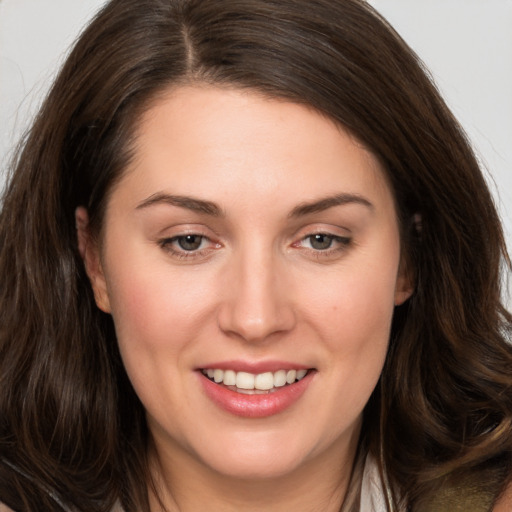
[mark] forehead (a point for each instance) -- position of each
(207, 140)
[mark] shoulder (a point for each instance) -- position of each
(4, 508)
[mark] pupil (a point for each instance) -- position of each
(321, 242)
(189, 242)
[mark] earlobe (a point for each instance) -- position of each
(406, 278)
(401, 295)
(89, 251)
(404, 284)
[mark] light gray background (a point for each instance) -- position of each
(467, 44)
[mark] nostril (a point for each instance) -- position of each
(255, 323)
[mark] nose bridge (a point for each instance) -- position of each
(257, 303)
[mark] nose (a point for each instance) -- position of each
(257, 302)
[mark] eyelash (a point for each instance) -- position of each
(168, 244)
(341, 244)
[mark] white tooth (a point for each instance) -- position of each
(301, 374)
(210, 373)
(249, 391)
(280, 378)
(244, 380)
(229, 378)
(291, 376)
(218, 375)
(264, 381)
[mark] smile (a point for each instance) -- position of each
(249, 383)
(255, 395)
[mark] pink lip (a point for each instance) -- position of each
(255, 367)
(254, 406)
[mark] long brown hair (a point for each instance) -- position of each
(72, 429)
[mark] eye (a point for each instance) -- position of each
(324, 242)
(320, 241)
(189, 242)
(188, 246)
(323, 246)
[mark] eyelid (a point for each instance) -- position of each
(167, 245)
(167, 241)
(341, 237)
(185, 228)
(322, 229)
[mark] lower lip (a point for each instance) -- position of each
(255, 406)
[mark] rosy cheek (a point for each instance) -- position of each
(361, 310)
(154, 308)
(134, 305)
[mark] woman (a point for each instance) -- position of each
(249, 262)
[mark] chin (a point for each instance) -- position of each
(258, 468)
(258, 457)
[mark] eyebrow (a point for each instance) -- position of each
(329, 202)
(210, 208)
(190, 203)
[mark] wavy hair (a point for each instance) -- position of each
(72, 430)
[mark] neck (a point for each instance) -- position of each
(185, 484)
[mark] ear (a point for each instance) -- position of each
(89, 250)
(404, 283)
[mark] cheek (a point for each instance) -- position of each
(151, 300)
(156, 316)
(154, 325)
(359, 335)
(358, 340)
(358, 301)
(354, 318)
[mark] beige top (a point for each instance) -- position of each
(372, 489)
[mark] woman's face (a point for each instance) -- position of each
(250, 242)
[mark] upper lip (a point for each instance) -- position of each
(254, 366)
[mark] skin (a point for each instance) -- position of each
(257, 289)
(504, 503)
